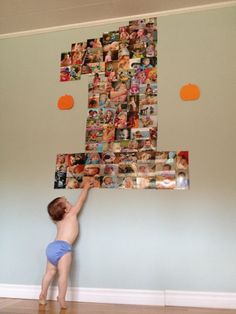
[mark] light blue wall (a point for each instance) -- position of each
(182, 240)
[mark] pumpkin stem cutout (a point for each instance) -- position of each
(65, 102)
(189, 92)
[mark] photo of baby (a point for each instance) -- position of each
(73, 183)
(91, 170)
(128, 182)
(109, 182)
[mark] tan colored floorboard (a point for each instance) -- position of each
(19, 306)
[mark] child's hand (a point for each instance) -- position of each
(87, 185)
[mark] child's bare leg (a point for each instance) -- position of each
(63, 273)
(49, 275)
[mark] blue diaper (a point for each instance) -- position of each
(56, 250)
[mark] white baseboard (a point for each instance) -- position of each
(219, 300)
(125, 296)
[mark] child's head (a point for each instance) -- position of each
(57, 208)
(166, 167)
(108, 169)
(107, 180)
(146, 61)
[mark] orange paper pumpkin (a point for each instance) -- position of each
(190, 92)
(65, 102)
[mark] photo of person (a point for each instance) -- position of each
(123, 63)
(165, 169)
(150, 75)
(95, 67)
(65, 59)
(121, 107)
(76, 159)
(140, 134)
(148, 100)
(161, 157)
(116, 148)
(94, 147)
(79, 47)
(109, 182)
(108, 157)
(146, 156)
(148, 89)
(85, 69)
(145, 182)
(93, 55)
(182, 160)
(133, 103)
(166, 182)
(134, 86)
(121, 120)
(127, 169)
(95, 79)
(122, 134)
(95, 113)
(64, 74)
(124, 34)
(93, 158)
(77, 57)
(110, 55)
(60, 176)
(75, 165)
(110, 37)
(182, 180)
(147, 63)
(136, 24)
(95, 180)
(119, 92)
(73, 183)
(137, 53)
(123, 49)
(109, 116)
(61, 160)
(108, 146)
(128, 157)
(151, 50)
(111, 67)
(96, 82)
(94, 43)
(104, 99)
(93, 101)
(132, 120)
(75, 171)
(128, 182)
(147, 121)
(75, 72)
(94, 135)
(108, 133)
(109, 170)
(91, 170)
(148, 144)
(148, 110)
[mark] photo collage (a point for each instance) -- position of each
(122, 113)
(138, 170)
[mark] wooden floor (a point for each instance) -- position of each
(19, 306)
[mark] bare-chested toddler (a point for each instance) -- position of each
(59, 252)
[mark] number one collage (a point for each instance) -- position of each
(122, 114)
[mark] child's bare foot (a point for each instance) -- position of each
(42, 299)
(62, 303)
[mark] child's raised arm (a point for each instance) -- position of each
(82, 198)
